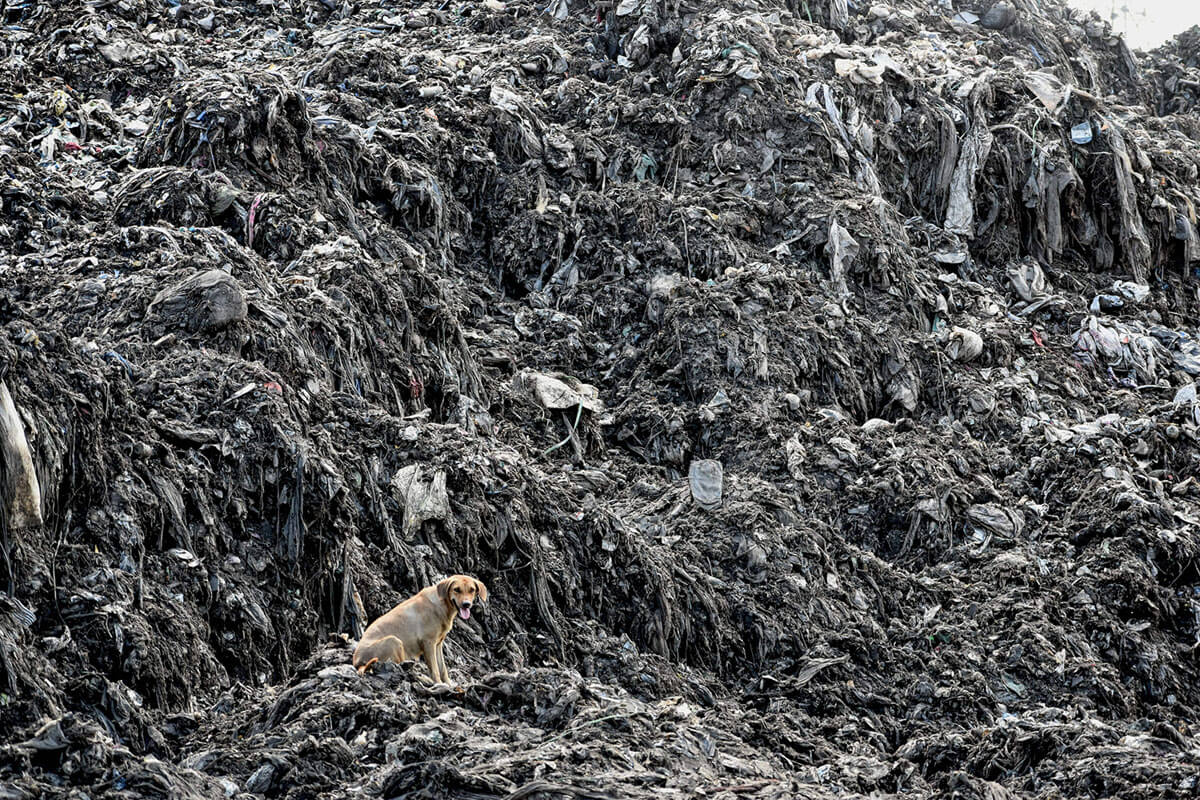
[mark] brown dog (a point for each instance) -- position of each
(418, 626)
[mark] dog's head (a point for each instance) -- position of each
(461, 593)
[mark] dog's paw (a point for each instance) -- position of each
(435, 689)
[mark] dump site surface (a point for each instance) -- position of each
(813, 385)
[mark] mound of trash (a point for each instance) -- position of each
(812, 384)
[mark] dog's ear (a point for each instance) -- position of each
(479, 587)
(443, 589)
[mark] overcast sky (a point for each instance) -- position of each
(1150, 22)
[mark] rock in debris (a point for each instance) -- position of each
(706, 479)
(964, 344)
(207, 301)
(999, 16)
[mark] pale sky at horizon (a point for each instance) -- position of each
(1149, 23)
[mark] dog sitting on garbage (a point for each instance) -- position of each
(418, 626)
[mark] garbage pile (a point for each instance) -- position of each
(812, 384)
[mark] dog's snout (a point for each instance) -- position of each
(466, 604)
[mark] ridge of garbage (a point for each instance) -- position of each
(812, 383)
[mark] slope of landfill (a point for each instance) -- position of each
(811, 383)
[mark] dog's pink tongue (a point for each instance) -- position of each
(465, 613)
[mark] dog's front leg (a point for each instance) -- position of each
(441, 659)
(432, 661)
